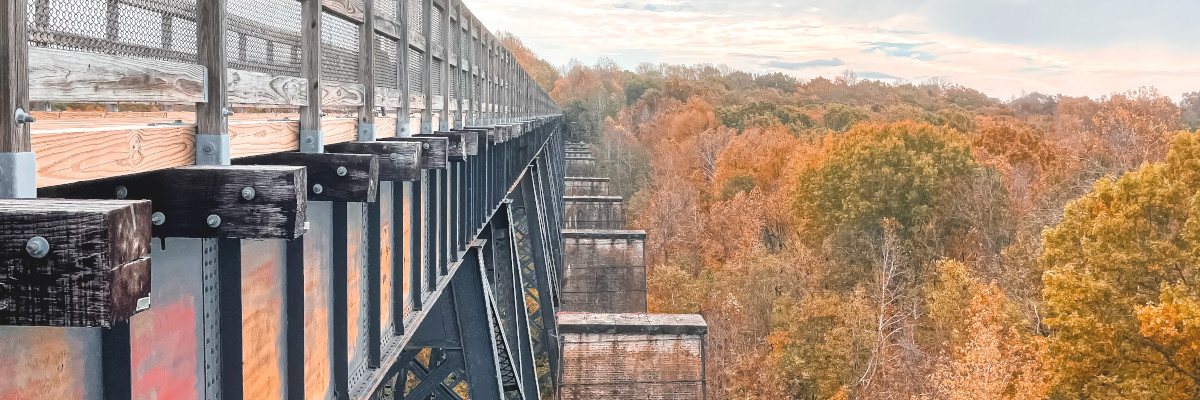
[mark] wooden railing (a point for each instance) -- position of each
(263, 199)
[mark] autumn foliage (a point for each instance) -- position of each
(850, 239)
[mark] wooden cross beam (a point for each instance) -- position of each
(331, 176)
(434, 150)
(73, 263)
(233, 202)
(398, 161)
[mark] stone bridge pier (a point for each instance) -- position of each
(610, 347)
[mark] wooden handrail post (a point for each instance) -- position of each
(17, 165)
(212, 118)
(366, 72)
(311, 138)
(427, 66)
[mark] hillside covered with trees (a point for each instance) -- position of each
(851, 239)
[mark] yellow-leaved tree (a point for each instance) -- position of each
(1122, 276)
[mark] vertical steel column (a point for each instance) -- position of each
(475, 328)
(341, 260)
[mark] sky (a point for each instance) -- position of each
(1001, 47)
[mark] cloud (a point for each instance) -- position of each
(906, 38)
(796, 66)
(876, 76)
(656, 7)
(905, 50)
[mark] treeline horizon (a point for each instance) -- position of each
(854, 239)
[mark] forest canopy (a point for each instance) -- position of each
(850, 238)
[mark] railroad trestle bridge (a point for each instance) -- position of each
(274, 199)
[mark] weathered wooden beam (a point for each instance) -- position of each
(387, 97)
(398, 161)
(73, 263)
(256, 88)
(434, 150)
(14, 76)
(242, 202)
(76, 76)
(366, 70)
(456, 150)
(347, 8)
(310, 69)
(331, 176)
(211, 28)
(335, 94)
(471, 139)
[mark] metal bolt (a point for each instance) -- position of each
(37, 247)
(158, 218)
(425, 146)
(309, 140)
(226, 113)
(213, 221)
(122, 192)
(394, 157)
(341, 171)
(24, 117)
(209, 148)
(248, 193)
(317, 188)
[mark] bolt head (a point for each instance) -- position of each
(209, 148)
(309, 140)
(425, 146)
(121, 192)
(341, 171)
(394, 157)
(213, 221)
(37, 247)
(248, 193)
(317, 188)
(158, 218)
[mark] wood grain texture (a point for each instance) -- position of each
(335, 94)
(310, 64)
(388, 28)
(85, 279)
(338, 129)
(385, 127)
(256, 88)
(387, 97)
(74, 76)
(350, 9)
(416, 40)
(263, 137)
(14, 75)
(456, 150)
(471, 139)
(398, 162)
(188, 195)
(433, 149)
(366, 62)
(359, 184)
(74, 155)
(211, 27)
